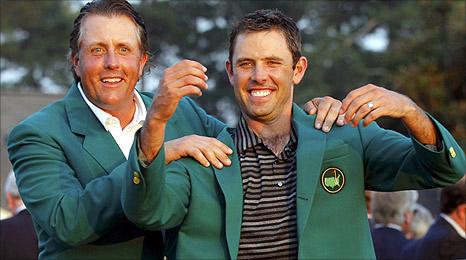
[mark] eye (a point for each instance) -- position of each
(273, 63)
(124, 49)
(245, 64)
(97, 50)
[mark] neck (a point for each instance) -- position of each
(125, 116)
(458, 219)
(275, 134)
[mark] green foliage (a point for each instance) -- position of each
(35, 37)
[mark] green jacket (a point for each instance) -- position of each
(69, 171)
(202, 206)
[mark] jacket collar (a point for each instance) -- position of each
(230, 182)
(311, 146)
(96, 140)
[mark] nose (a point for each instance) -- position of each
(111, 60)
(259, 74)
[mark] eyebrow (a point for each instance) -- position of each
(266, 58)
(274, 58)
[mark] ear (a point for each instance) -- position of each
(299, 70)
(462, 211)
(142, 63)
(75, 63)
(229, 69)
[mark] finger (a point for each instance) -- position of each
(331, 117)
(187, 80)
(365, 109)
(310, 107)
(225, 149)
(322, 111)
(341, 120)
(199, 156)
(354, 94)
(189, 90)
(219, 150)
(373, 115)
(183, 69)
(220, 156)
(356, 104)
(193, 63)
(211, 157)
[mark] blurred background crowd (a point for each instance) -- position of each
(419, 45)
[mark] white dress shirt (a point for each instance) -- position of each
(123, 137)
(455, 225)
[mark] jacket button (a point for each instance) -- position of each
(136, 178)
(452, 152)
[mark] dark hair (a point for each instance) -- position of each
(264, 20)
(453, 196)
(106, 8)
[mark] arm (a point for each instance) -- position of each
(394, 162)
(159, 197)
(182, 79)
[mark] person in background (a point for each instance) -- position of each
(17, 236)
(392, 213)
(71, 157)
(420, 222)
(368, 197)
(445, 239)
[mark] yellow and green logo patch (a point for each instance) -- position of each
(332, 180)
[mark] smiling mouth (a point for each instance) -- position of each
(260, 93)
(111, 80)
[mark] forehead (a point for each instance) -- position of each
(261, 45)
(103, 28)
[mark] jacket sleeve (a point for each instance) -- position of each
(395, 162)
(156, 197)
(211, 125)
(60, 204)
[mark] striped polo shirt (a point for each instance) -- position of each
(268, 229)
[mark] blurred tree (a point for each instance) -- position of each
(34, 37)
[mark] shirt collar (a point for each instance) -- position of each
(389, 225)
(245, 138)
(455, 225)
(104, 117)
(20, 208)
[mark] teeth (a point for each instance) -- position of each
(261, 93)
(111, 80)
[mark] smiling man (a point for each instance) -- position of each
(291, 191)
(70, 157)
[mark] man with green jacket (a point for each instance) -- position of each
(291, 191)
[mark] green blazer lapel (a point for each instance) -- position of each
(311, 146)
(231, 184)
(96, 140)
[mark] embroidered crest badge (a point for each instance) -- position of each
(332, 180)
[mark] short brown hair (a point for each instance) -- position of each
(453, 196)
(107, 8)
(264, 20)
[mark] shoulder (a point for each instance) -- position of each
(49, 116)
